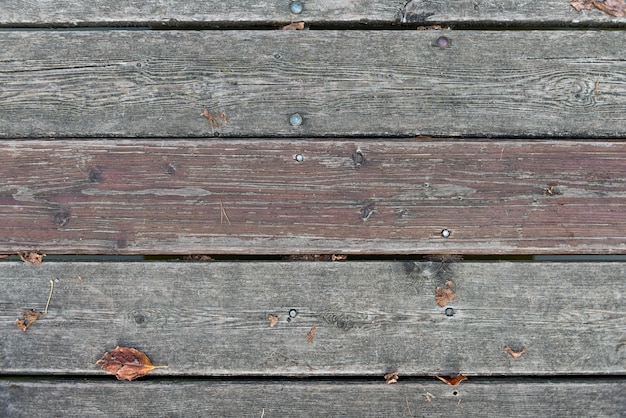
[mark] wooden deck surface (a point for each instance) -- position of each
(165, 129)
(343, 83)
(345, 196)
(372, 318)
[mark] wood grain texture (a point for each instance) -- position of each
(33, 398)
(215, 13)
(254, 197)
(369, 83)
(371, 318)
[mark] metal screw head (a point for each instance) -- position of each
(298, 157)
(443, 42)
(295, 119)
(449, 312)
(446, 233)
(293, 313)
(296, 7)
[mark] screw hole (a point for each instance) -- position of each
(455, 393)
(358, 158)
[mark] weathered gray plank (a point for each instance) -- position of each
(495, 397)
(211, 319)
(254, 197)
(372, 83)
(212, 13)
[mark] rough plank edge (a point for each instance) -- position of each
(496, 397)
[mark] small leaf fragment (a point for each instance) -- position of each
(211, 117)
(310, 336)
(126, 363)
(615, 8)
(30, 316)
(513, 353)
(31, 257)
(391, 377)
(273, 320)
(452, 381)
(444, 295)
(582, 5)
(294, 26)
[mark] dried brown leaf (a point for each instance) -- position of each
(443, 296)
(338, 257)
(294, 26)
(449, 283)
(31, 257)
(30, 316)
(391, 377)
(4, 256)
(126, 363)
(582, 5)
(310, 336)
(273, 320)
(513, 353)
(613, 7)
(452, 381)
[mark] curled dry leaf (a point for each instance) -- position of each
(294, 26)
(31, 258)
(310, 336)
(513, 353)
(452, 381)
(391, 377)
(30, 316)
(443, 295)
(582, 5)
(273, 320)
(126, 363)
(613, 7)
(338, 257)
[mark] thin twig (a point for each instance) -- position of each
(49, 297)
(223, 213)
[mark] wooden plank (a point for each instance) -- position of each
(211, 319)
(371, 83)
(496, 397)
(255, 197)
(214, 13)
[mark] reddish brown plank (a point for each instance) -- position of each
(254, 197)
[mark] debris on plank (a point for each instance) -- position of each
(310, 336)
(452, 381)
(126, 363)
(391, 377)
(513, 353)
(31, 257)
(615, 8)
(294, 26)
(443, 295)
